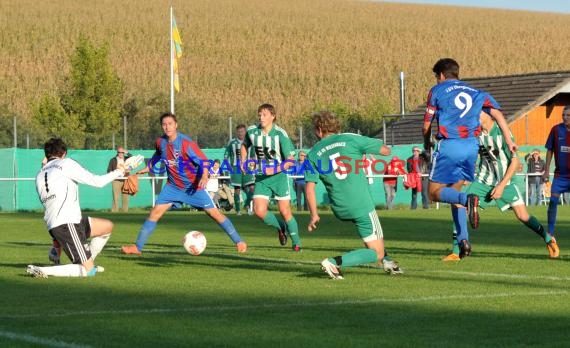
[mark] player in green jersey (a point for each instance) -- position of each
(238, 179)
(337, 161)
(273, 153)
(497, 165)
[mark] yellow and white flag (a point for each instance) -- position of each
(176, 53)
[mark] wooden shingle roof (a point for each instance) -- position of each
(517, 94)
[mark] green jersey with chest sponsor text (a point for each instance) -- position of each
(272, 148)
(494, 156)
(334, 160)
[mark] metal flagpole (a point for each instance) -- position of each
(171, 65)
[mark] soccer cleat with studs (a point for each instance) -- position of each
(131, 249)
(472, 210)
(392, 267)
(35, 272)
(464, 248)
(241, 247)
(331, 270)
(451, 257)
(553, 250)
(282, 233)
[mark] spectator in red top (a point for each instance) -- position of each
(419, 163)
(395, 167)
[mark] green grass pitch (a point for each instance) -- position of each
(508, 293)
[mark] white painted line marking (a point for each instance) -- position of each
(38, 340)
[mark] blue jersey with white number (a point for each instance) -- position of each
(456, 106)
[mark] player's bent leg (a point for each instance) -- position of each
(146, 230)
(225, 223)
(237, 199)
(378, 246)
(433, 190)
(69, 270)
(390, 266)
(260, 205)
(158, 211)
(291, 225)
(100, 226)
(532, 223)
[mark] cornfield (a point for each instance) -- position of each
(294, 54)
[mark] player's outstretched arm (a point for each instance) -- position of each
(77, 173)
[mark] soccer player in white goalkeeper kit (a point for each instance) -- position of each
(56, 184)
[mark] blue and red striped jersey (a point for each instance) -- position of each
(183, 159)
(558, 142)
(456, 106)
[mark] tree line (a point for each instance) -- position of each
(89, 110)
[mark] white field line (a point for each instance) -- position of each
(39, 341)
(286, 306)
(501, 275)
(422, 270)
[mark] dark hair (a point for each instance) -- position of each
(269, 108)
(55, 147)
(448, 67)
(241, 125)
(326, 121)
(167, 114)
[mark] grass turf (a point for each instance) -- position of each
(507, 294)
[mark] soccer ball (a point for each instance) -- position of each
(194, 242)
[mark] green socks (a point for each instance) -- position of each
(455, 245)
(271, 220)
(537, 228)
(237, 202)
(355, 258)
(293, 230)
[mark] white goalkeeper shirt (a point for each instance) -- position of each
(56, 184)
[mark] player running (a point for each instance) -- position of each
(348, 191)
(273, 153)
(497, 166)
(456, 107)
(187, 169)
(238, 179)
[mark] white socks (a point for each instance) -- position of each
(70, 270)
(97, 244)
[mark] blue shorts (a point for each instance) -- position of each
(196, 198)
(560, 185)
(454, 160)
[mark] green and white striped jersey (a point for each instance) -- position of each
(273, 146)
(494, 156)
(233, 152)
